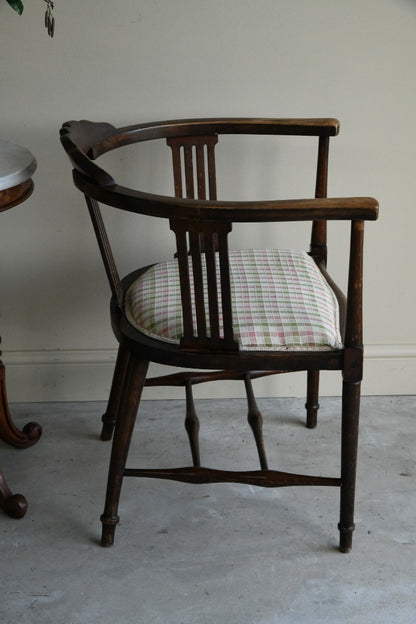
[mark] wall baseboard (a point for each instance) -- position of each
(76, 375)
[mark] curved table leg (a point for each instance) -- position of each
(8, 431)
(15, 505)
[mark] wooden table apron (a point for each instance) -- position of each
(16, 167)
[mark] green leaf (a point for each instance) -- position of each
(17, 5)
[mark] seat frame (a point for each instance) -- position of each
(202, 225)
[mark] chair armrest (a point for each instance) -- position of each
(316, 209)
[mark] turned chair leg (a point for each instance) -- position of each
(255, 420)
(126, 418)
(109, 418)
(350, 421)
(312, 397)
(192, 424)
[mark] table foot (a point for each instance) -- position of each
(15, 505)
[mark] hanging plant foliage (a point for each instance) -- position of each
(17, 5)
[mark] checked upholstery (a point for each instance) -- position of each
(280, 301)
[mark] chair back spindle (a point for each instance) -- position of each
(318, 247)
(105, 249)
(193, 162)
(205, 285)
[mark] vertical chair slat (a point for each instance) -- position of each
(205, 165)
(189, 171)
(200, 172)
(212, 176)
(226, 302)
(183, 264)
(210, 247)
(204, 285)
(198, 282)
(177, 170)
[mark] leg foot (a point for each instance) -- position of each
(109, 529)
(345, 538)
(32, 431)
(107, 428)
(15, 506)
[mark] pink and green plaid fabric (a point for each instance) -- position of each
(280, 299)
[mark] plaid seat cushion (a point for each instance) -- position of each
(280, 299)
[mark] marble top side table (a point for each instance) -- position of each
(17, 166)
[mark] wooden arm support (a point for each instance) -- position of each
(314, 209)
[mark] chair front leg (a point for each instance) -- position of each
(130, 399)
(350, 422)
(110, 416)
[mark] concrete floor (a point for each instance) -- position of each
(218, 553)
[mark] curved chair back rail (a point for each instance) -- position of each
(85, 141)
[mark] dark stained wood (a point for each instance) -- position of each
(113, 406)
(349, 444)
(192, 423)
(312, 396)
(284, 210)
(318, 246)
(204, 172)
(255, 420)
(15, 195)
(130, 398)
(202, 336)
(112, 138)
(105, 249)
(202, 224)
(15, 505)
(262, 478)
(196, 377)
(21, 439)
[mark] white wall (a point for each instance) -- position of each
(137, 60)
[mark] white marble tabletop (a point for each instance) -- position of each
(17, 164)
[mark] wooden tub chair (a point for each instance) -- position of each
(234, 314)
